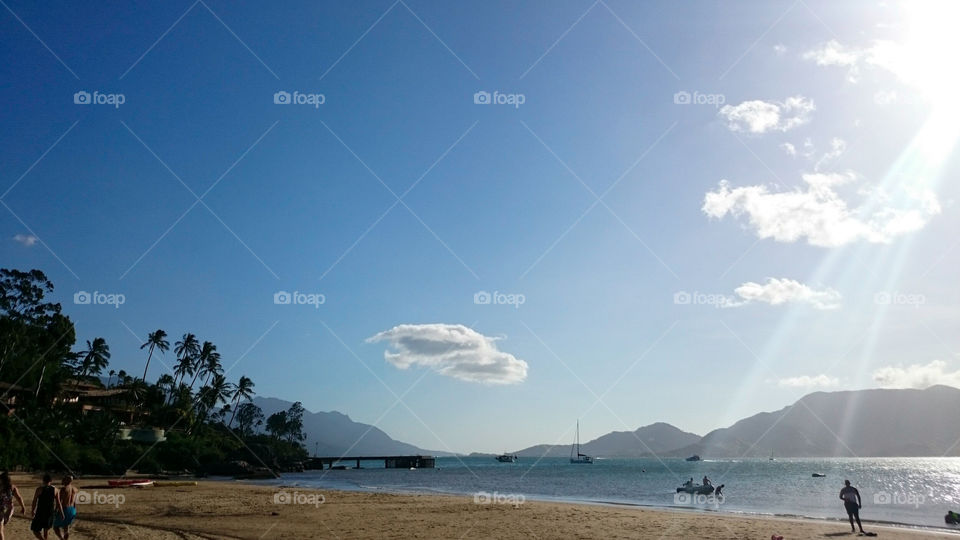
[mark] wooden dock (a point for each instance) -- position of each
(389, 462)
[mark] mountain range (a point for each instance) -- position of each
(865, 423)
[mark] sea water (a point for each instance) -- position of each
(907, 491)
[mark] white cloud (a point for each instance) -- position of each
(917, 375)
(780, 49)
(808, 381)
(790, 149)
(452, 350)
(817, 212)
(762, 116)
(837, 148)
(891, 56)
(26, 239)
(783, 291)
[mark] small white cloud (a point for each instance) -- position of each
(452, 350)
(818, 214)
(762, 116)
(917, 375)
(790, 149)
(26, 239)
(786, 291)
(780, 49)
(885, 97)
(837, 148)
(808, 381)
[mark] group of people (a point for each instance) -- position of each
(52, 507)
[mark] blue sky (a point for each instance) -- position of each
(830, 250)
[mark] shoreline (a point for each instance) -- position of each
(238, 509)
(614, 504)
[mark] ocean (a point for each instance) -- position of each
(905, 491)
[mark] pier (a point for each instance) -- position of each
(389, 462)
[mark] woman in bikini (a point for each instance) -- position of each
(8, 494)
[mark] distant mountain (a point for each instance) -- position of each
(655, 438)
(865, 423)
(333, 433)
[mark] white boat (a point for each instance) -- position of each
(575, 455)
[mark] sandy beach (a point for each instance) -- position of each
(235, 510)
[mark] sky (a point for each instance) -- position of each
(472, 224)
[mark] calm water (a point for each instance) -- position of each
(911, 491)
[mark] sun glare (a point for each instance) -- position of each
(926, 58)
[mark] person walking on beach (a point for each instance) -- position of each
(45, 506)
(8, 494)
(852, 503)
(68, 498)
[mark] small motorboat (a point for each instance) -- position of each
(818, 475)
(694, 457)
(696, 489)
(507, 458)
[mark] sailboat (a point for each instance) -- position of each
(579, 458)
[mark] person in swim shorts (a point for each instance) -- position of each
(68, 500)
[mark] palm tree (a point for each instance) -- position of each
(109, 380)
(95, 358)
(166, 384)
(211, 366)
(219, 391)
(206, 351)
(155, 340)
(187, 348)
(242, 391)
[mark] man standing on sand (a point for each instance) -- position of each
(45, 506)
(68, 497)
(852, 503)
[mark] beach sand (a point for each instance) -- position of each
(235, 510)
